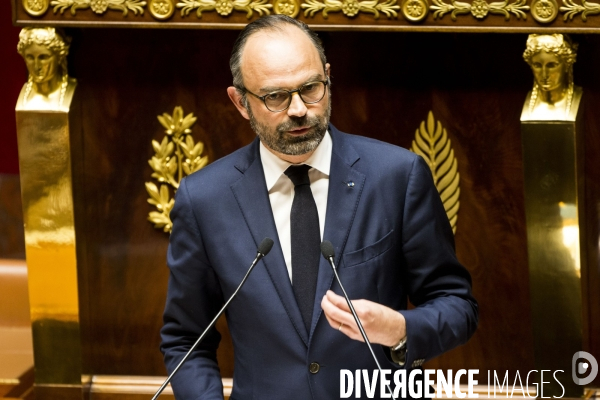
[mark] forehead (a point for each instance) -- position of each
(284, 57)
(545, 57)
(37, 49)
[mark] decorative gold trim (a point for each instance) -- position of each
(99, 6)
(128, 386)
(432, 143)
(480, 9)
(415, 10)
(571, 9)
(351, 8)
(161, 9)
(225, 7)
(544, 11)
(291, 8)
(169, 169)
(35, 8)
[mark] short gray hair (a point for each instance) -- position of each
(269, 22)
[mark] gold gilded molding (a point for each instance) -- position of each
(432, 143)
(480, 9)
(415, 10)
(161, 9)
(351, 8)
(571, 9)
(225, 7)
(544, 11)
(99, 6)
(175, 157)
(291, 8)
(35, 8)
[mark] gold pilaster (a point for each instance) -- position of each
(47, 192)
(553, 160)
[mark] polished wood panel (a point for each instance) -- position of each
(591, 271)
(124, 274)
(384, 84)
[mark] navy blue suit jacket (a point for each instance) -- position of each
(392, 241)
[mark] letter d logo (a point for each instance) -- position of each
(582, 367)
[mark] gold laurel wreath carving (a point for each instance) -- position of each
(571, 9)
(175, 157)
(225, 7)
(350, 8)
(432, 143)
(479, 8)
(99, 6)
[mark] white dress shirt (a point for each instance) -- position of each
(281, 190)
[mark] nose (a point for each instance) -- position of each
(297, 107)
(545, 72)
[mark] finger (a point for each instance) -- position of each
(337, 300)
(336, 313)
(335, 316)
(327, 306)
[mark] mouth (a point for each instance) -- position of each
(299, 131)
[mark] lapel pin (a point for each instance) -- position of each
(350, 184)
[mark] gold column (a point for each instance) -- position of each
(42, 114)
(553, 160)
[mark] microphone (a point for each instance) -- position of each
(263, 249)
(329, 253)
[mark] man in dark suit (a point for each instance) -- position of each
(299, 182)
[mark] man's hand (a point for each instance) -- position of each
(382, 324)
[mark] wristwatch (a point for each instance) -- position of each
(401, 344)
(398, 352)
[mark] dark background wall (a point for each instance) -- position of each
(14, 74)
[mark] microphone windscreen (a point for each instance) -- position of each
(265, 246)
(327, 249)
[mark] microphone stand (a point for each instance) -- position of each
(328, 253)
(263, 250)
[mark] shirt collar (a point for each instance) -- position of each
(274, 166)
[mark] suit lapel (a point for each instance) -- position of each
(345, 188)
(253, 199)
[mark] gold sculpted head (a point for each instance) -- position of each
(551, 58)
(45, 53)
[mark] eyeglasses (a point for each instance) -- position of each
(280, 100)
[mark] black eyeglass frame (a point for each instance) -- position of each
(325, 82)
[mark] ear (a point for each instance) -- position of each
(236, 99)
(328, 70)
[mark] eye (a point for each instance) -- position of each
(552, 65)
(276, 96)
(310, 87)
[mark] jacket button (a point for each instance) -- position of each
(314, 368)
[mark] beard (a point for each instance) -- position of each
(282, 142)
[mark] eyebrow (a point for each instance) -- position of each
(269, 89)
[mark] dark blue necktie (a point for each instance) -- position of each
(306, 239)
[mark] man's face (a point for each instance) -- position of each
(274, 60)
(41, 63)
(549, 71)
